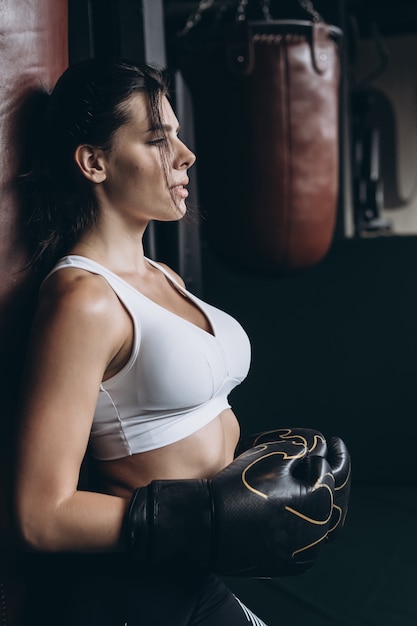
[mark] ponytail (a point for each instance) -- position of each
(50, 224)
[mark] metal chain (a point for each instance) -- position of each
(3, 603)
(204, 5)
(241, 10)
(195, 17)
(266, 9)
(307, 5)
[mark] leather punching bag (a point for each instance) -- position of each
(266, 104)
(33, 53)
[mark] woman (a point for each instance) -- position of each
(125, 363)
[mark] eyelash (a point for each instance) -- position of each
(157, 141)
(160, 140)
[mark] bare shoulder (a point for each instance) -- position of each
(77, 291)
(76, 301)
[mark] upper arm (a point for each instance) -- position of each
(73, 339)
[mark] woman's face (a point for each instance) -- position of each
(136, 184)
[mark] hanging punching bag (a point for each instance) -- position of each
(33, 52)
(266, 103)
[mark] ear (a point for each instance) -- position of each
(91, 163)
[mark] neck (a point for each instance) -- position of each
(118, 251)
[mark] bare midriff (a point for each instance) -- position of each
(200, 455)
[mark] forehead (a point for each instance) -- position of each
(140, 114)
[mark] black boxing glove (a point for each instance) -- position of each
(266, 514)
(338, 458)
(335, 452)
(308, 438)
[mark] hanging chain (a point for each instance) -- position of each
(204, 5)
(266, 9)
(3, 602)
(195, 17)
(241, 10)
(307, 5)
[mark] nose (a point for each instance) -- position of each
(185, 157)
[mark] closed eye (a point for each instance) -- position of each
(165, 128)
(154, 142)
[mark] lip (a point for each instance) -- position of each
(181, 183)
(179, 189)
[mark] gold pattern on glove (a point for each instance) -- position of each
(287, 434)
(257, 460)
(319, 485)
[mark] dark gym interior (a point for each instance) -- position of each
(334, 339)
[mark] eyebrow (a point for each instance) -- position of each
(165, 127)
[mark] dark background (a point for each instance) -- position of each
(334, 347)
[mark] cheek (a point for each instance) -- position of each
(141, 173)
(135, 177)
(150, 170)
(156, 177)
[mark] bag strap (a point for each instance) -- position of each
(264, 5)
(241, 12)
(240, 52)
(307, 6)
(195, 17)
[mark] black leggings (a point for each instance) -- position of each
(94, 594)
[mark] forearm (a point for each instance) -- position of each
(266, 514)
(81, 522)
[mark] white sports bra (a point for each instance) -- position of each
(178, 376)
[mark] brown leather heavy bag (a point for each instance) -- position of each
(266, 107)
(33, 53)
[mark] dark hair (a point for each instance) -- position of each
(87, 106)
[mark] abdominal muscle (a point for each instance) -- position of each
(200, 455)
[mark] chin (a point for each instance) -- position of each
(179, 211)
